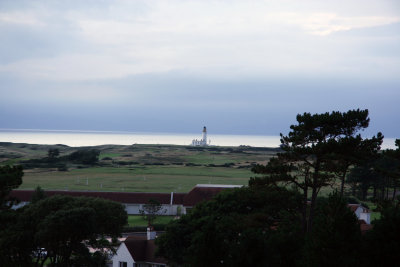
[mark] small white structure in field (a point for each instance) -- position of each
(361, 212)
(203, 140)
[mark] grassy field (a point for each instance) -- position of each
(146, 179)
(139, 168)
(143, 168)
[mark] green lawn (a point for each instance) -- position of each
(140, 179)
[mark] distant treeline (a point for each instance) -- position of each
(53, 160)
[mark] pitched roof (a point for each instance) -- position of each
(354, 207)
(122, 197)
(143, 250)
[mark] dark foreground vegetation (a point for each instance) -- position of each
(58, 230)
(262, 226)
(279, 219)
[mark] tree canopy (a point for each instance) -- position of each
(64, 228)
(317, 150)
(151, 210)
(260, 223)
(10, 178)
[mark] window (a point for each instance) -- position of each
(123, 264)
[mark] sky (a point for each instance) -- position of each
(237, 67)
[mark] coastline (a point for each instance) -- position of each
(94, 138)
(79, 138)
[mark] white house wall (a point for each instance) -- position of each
(123, 255)
(19, 205)
(358, 211)
(133, 208)
(366, 216)
(172, 210)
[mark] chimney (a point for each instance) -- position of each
(151, 234)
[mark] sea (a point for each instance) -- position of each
(75, 138)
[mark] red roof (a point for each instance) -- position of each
(202, 193)
(198, 194)
(143, 250)
(353, 207)
(122, 197)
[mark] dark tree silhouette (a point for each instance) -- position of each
(318, 149)
(10, 178)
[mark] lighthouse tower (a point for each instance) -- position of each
(204, 139)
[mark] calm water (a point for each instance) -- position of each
(79, 138)
(86, 138)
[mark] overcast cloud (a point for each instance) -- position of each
(239, 67)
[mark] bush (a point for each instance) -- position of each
(62, 168)
(192, 164)
(85, 156)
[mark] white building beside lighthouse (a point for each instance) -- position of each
(203, 141)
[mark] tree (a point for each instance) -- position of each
(10, 178)
(253, 226)
(336, 236)
(65, 227)
(15, 246)
(85, 156)
(53, 153)
(362, 178)
(382, 243)
(316, 149)
(388, 167)
(352, 150)
(38, 194)
(151, 210)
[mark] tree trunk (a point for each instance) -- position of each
(364, 193)
(312, 208)
(43, 261)
(383, 193)
(343, 180)
(394, 193)
(342, 184)
(305, 206)
(353, 189)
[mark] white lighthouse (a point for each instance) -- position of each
(203, 141)
(204, 135)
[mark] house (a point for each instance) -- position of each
(361, 212)
(172, 203)
(138, 251)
